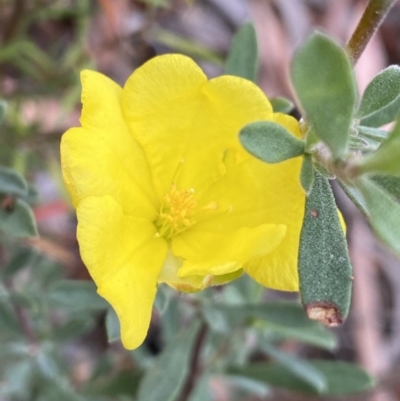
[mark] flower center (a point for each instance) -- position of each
(176, 212)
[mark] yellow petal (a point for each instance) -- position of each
(253, 193)
(124, 257)
(218, 254)
(168, 100)
(91, 168)
(105, 134)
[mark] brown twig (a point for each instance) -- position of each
(194, 368)
(372, 18)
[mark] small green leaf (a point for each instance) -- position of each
(355, 195)
(383, 213)
(3, 108)
(112, 326)
(300, 368)
(287, 319)
(12, 183)
(381, 100)
(323, 79)
(373, 133)
(343, 378)
(242, 60)
(307, 173)
(18, 220)
(281, 105)
(386, 159)
(390, 184)
(164, 380)
(76, 296)
(162, 298)
(325, 271)
(270, 142)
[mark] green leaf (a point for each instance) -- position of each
(300, 368)
(343, 378)
(386, 159)
(287, 319)
(164, 380)
(163, 297)
(76, 296)
(3, 108)
(10, 327)
(202, 391)
(12, 183)
(355, 195)
(325, 270)
(281, 105)
(270, 142)
(373, 133)
(112, 326)
(242, 60)
(323, 79)
(390, 184)
(17, 219)
(22, 258)
(381, 100)
(307, 173)
(73, 329)
(383, 213)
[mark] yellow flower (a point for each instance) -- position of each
(164, 191)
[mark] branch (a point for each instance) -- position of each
(372, 18)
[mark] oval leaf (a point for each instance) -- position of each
(307, 173)
(325, 271)
(242, 60)
(381, 100)
(270, 142)
(323, 79)
(383, 213)
(16, 219)
(12, 183)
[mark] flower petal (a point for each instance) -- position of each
(168, 100)
(124, 257)
(216, 254)
(107, 139)
(90, 168)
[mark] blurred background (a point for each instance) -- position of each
(54, 335)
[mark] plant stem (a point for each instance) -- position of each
(373, 16)
(194, 368)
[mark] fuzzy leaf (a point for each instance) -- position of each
(270, 142)
(381, 100)
(16, 219)
(12, 183)
(242, 60)
(325, 271)
(307, 173)
(281, 105)
(386, 159)
(383, 213)
(323, 79)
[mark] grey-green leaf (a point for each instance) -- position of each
(307, 174)
(17, 219)
(389, 183)
(112, 326)
(76, 296)
(281, 105)
(242, 59)
(270, 142)
(343, 378)
(164, 380)
(325, 270)
(324, 83)
(355, 195)
(287, 319)
(12, 183)
(386, 159)
(383, 213)
(300, 368)
(380, 102)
